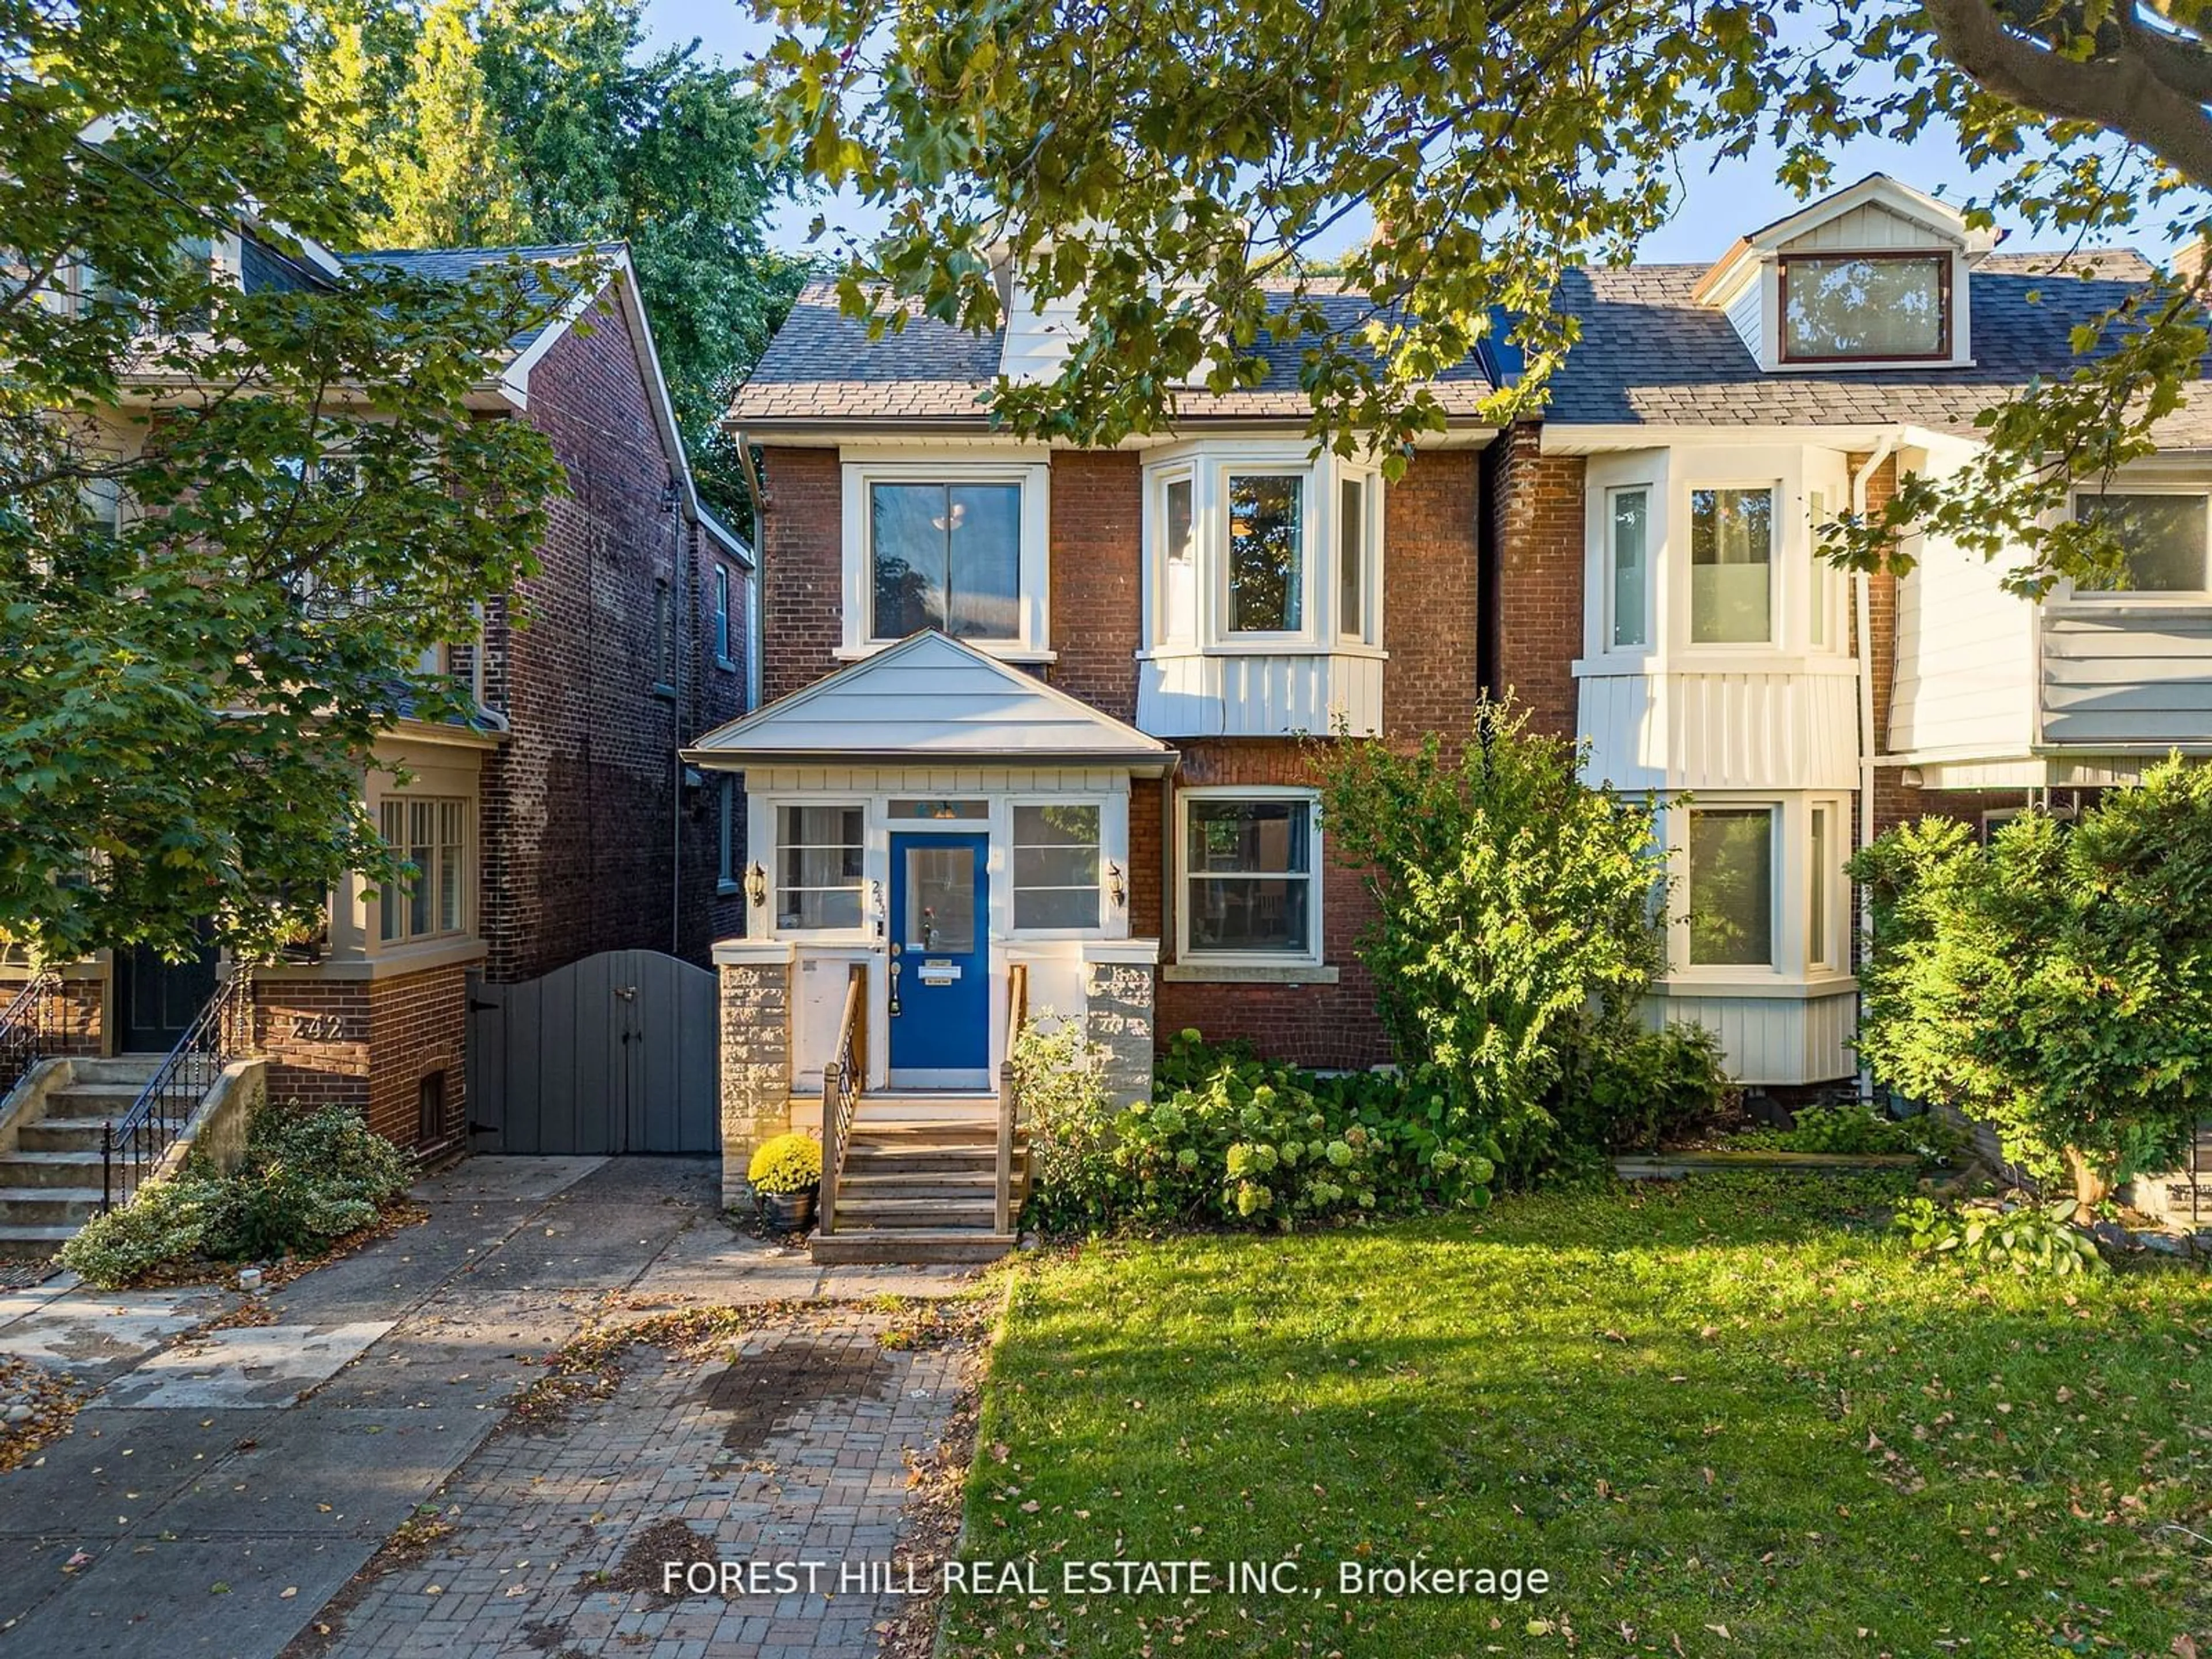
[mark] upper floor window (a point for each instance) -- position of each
(722, 657)
(1865, 308)
(1628, 555)
(960, 548)
(1257, 547)
(1731, 566)
(2162, 536)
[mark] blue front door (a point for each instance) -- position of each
(940, 962)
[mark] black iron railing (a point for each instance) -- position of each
(843, 1080)
(134, 1144)
(31, 1027)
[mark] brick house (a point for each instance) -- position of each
(556, 822)
(1041, 708)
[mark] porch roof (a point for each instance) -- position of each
(930, 698)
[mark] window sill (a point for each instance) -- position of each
(1750, 983)
(1004, 650)
(666, 693)
(1286, 645)
(386, 962)
(728, 664)
(1241, 973)
(727, 888)
(2134, 602)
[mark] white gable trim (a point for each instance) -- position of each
(1029, 722)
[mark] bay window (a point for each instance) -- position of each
(1250, 877)
(2162, 539)
(429, 900)
(1731, 886)
(1265, 567)
(1731, 566)
(818, 865)
(1629, 565)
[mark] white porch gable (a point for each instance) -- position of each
(931, 698)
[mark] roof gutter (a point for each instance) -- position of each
(1157, 765)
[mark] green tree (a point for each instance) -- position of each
(230, 522)
(1171, 163)
(551, 121)
(1511, 899)
(2057, 985)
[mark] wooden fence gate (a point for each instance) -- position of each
(614, 1054)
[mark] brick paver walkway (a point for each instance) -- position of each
(795, 1450)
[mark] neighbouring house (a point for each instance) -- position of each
(555, 824)
(1036, 713)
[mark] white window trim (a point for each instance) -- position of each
(2177, 598)
(1100, 804)
(1778, 585)
(766, 825)
(1608, 616)
(1316, 927)
(1208, 464)
(725, 832)
(1791, 896)
(1032, 642)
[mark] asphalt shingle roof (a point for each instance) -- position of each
(822, 365)
(1650, 355)
(453, 265)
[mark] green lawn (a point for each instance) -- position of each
(1727, 1405)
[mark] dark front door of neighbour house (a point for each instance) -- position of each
(940, 1023)
(614, 1054)
(156, 1001)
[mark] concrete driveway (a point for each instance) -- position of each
(220, 1488)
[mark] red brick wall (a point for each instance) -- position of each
(316, 1036)
(417, 1026)
(78, 1014)
(578, 824)
(713, 696)
(1098, 584)
(802, 567)
(1536, 536)
(1431, 599)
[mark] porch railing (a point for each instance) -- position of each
(134, 1145)
(1018, 1015)
(31, 1027)
(843, 1080)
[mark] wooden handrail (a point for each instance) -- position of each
(843, 1081)
(1017, 1016)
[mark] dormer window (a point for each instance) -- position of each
(1865, 308)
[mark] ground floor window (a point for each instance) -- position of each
(1249, 876)
(1056, 867)
(1731, 886)
(431, 900)
(818, 853)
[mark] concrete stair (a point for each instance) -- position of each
(920, 1183)
(50, 1182)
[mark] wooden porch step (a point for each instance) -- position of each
(907, 1246)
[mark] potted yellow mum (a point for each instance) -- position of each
(786, 1173)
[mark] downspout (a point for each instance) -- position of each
(678, 646)
(1864, 616)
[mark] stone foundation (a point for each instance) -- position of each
(756, 1056)
(1118, 1019)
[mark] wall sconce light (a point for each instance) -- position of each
(1115, 888)
(756, 886)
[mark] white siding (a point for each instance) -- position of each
(2127, 673)
(1870, 226)
(1260, 695)
(1722, 730)
(1770, 1040)
(1039, 338)
(1748, 315)
(1965, 659)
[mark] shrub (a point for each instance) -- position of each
(1624, 1089)
(306, 1179)
(786, 1164)
(1511, 899)
(2057, 985)
(2028, 1239)
(1229, 1139)
(1857, 1128)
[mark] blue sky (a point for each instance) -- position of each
(1715, 206)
